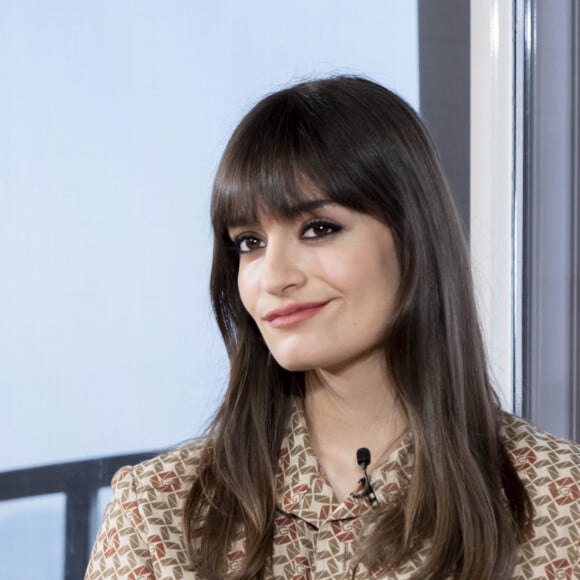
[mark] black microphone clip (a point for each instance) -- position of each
(363, 458)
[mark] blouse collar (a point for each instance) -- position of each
(304, 491)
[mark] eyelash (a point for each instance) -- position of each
(245, 238)
(326, 228)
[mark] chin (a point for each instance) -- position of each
(294, 365)
(302, 363)
(293, 362)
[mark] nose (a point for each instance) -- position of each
(282, 267)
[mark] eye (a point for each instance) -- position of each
(320, 229)
(247, 243)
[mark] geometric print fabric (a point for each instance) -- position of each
(315, 537)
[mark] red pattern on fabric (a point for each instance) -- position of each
(564, 491)
(559, 570)
(321, 546)
(157, 548)
(301, 569)
(120, 475)
(141, 573)
(111, 543)
(524, 458)
(233, 560)
(285, 531)
(391, 491)
(343, 531)
(167, 482)
(294, 495)
(133, 509)
(324, 512)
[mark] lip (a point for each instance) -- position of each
(294, 313)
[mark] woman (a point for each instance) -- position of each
(342, 288)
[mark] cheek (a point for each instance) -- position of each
(393, 276)
(373, 279)
(247, 294)
(365, 272)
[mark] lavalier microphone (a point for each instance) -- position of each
(363, 458)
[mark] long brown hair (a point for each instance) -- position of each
(363, 147)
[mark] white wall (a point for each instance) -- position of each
(113, 116)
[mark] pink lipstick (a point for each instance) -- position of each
(293, 314)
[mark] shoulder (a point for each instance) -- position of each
(141, 532)
(549, 468)
(534, 451)
(157, 488)
(168, 471)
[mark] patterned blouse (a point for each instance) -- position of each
(141, 534)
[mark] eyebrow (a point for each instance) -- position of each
(289, 212)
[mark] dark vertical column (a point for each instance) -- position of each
(444, 64)
(575, 386)
(551, 282)
(80, 501)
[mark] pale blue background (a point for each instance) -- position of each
(113, 115)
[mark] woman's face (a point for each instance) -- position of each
(320, 286)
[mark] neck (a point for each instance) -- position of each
(351, 408)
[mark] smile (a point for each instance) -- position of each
(293, 314)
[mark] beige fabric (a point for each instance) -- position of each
(140, 537)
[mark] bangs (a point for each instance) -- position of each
(273, 187)
(278, 162)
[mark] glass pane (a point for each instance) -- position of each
(103, 497)
(32, 533)
(112, 119)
